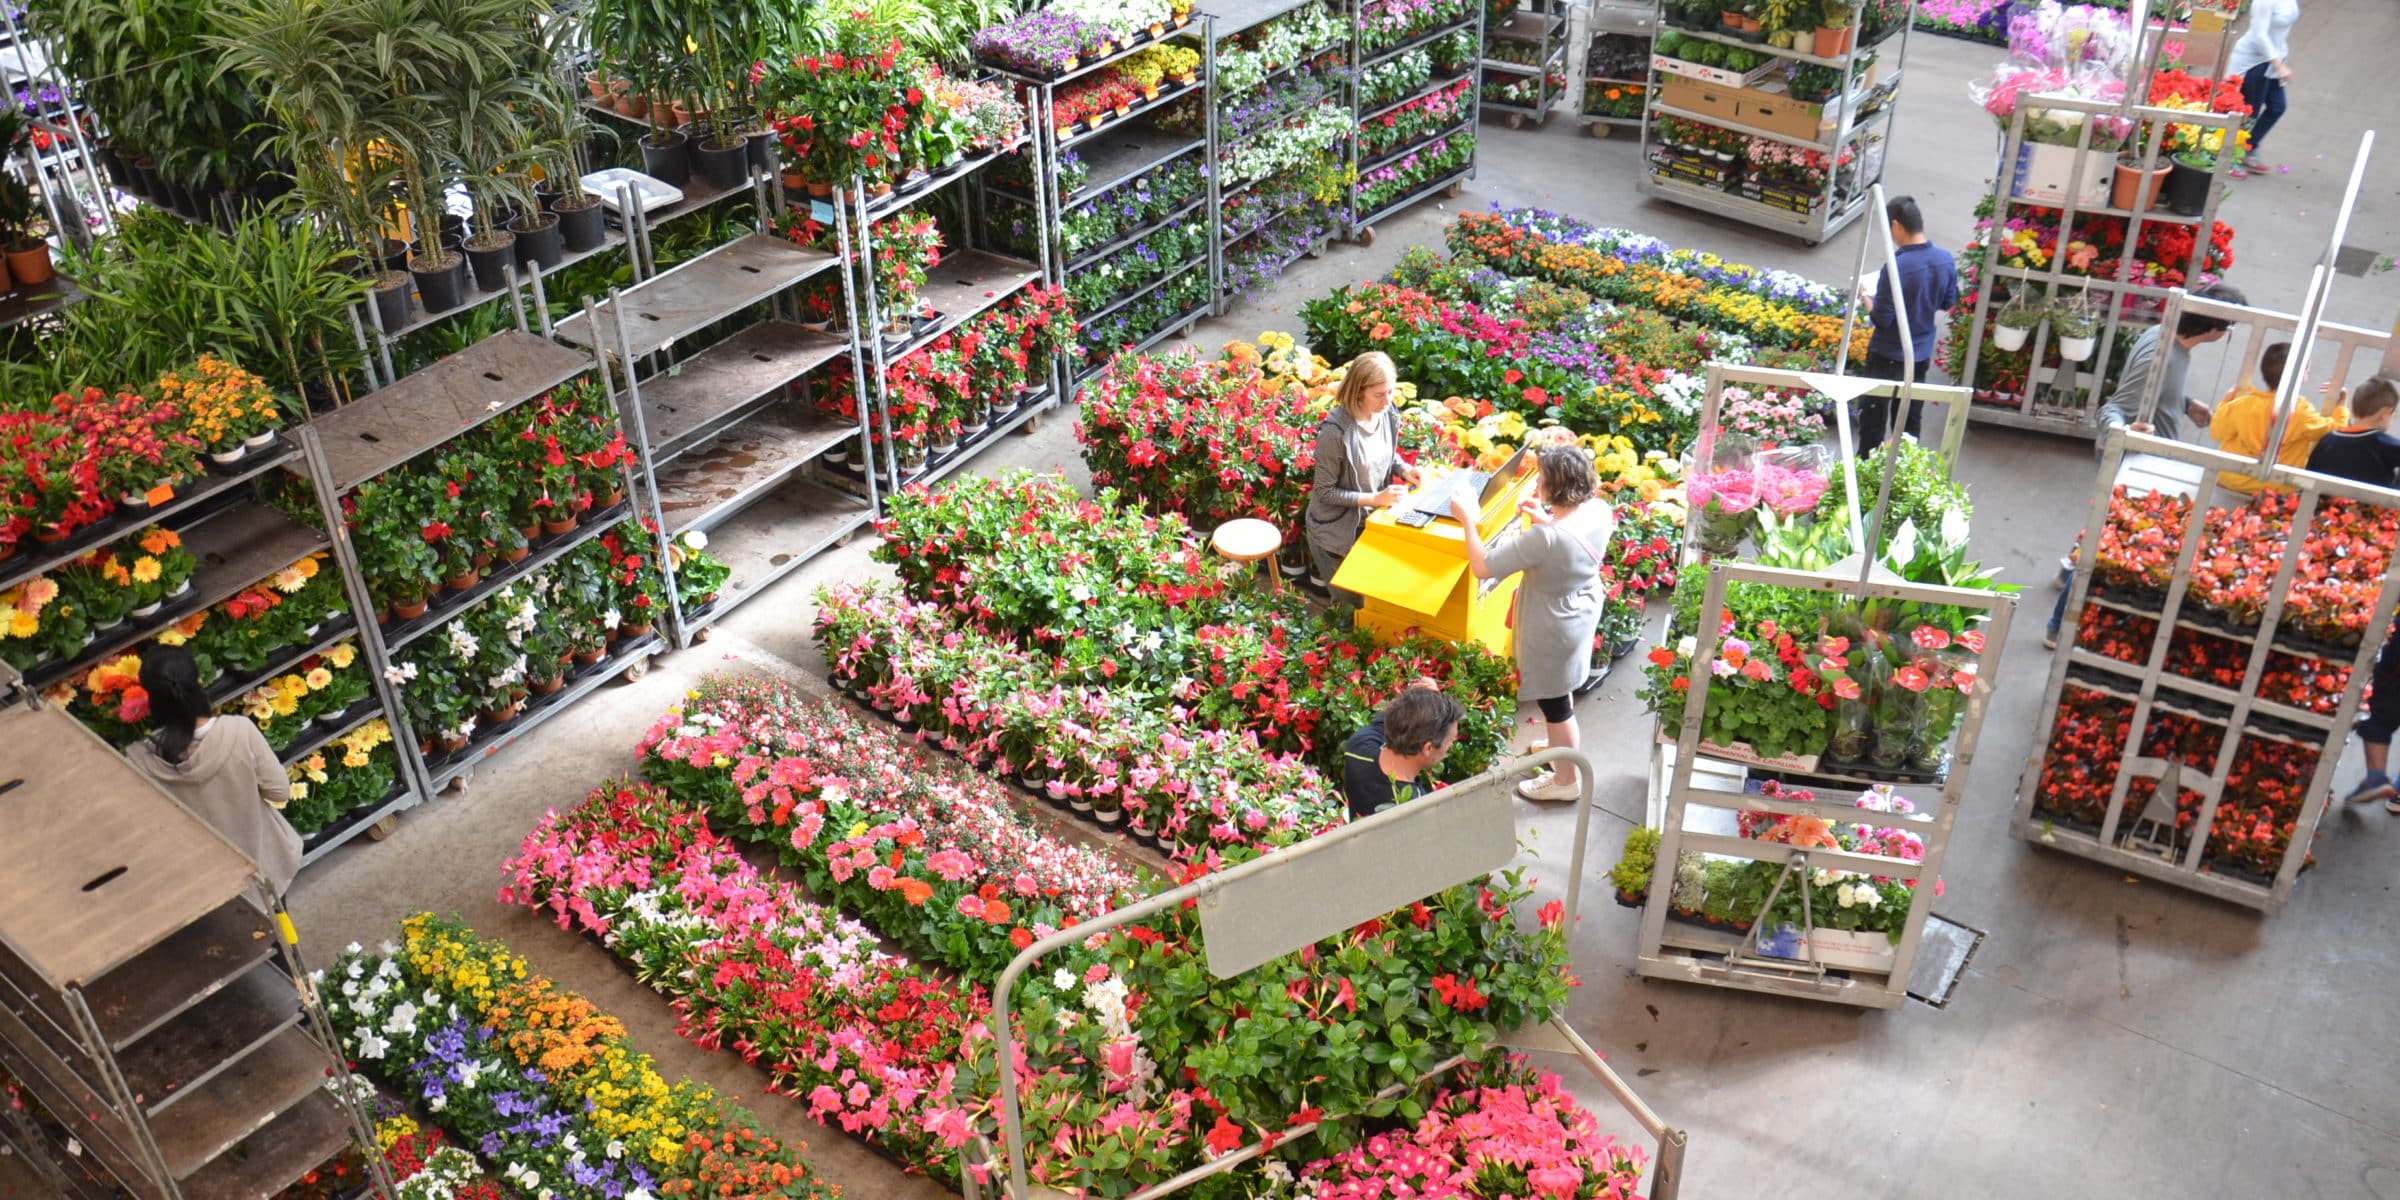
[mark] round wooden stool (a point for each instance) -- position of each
(1247, 540)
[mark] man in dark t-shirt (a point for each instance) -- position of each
(2366, 453)
(1382, 762)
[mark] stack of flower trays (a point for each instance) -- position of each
(1282, 119)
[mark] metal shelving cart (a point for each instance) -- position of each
(1616, 56)
(1450, 183)
(1697, 791)
(723, 447)
(2194, 749)
(147, 1000)
(1119, 152)
(1334, 64)
(2056, 395)
(1851, 128)
(1541, 24)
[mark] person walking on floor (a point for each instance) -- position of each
(1382, 763)
(2365, 452)
(219, 767)
(1927, 287)
(1557, 611)
(2157, 365)
(2261, 60)
(1358, 466)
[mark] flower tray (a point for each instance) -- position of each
(2147, 600)
(1893, 775)
(1740, 752)
(1691, 170)
(1782, 196)
(2216, 620)
(1716, 75)
(2298, 643)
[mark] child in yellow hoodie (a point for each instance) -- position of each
(2247, 416)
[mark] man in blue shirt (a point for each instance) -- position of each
(1928, 285)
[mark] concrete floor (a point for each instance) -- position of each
(2111, 1037)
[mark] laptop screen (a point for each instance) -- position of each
(1498, 481)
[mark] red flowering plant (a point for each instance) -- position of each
(2079, 769)
(843, 113)
(135, 443)
(907, 246)
(1218, 440)
(633, 579)
(1763, 691)
(49, 486)
(2265, 788)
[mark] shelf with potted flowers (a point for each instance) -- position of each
(1524, 64)
(2211, 661)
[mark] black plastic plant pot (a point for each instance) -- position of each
(454, 231)
(391, 300)
(2187, 189)
(762, 149)
(669, 160)
(583, 228)
(114, 164)
(491, 262)
(395, 254)
(445, 288)
(145, 177)
(723, 167)
(539, 241)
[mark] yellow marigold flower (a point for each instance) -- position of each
(145, 569)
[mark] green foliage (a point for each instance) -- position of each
(1631, 875)
(1922, 491)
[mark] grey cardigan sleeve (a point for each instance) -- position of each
(1333, 464)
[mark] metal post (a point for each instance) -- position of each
(321, 1031)
(629, 420)
(362, 606)
(120, 1093)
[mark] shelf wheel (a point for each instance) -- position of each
(1598, 129)
(703, 633)
(461, 782)
(640, 667)
(1456, 186)
(1516, 120)
(384, 828)
(1365, 236)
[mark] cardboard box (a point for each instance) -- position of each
(1783, 115)
(2044, 171)
(1708, 102)
(1716, 75)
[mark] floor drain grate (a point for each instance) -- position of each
(1942, 957)
(2355, 260)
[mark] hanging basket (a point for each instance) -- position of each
(2076, 349)
(2010, 337)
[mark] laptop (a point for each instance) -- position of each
(1435, 501)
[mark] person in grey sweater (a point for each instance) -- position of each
(1358, 466)
(2150, 371)
(1557, 612)
(221, 768)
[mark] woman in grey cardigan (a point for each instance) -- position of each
(1358, 466)
(1558, 605)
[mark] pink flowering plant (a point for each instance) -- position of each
(1505, 1128)
(1770, 417)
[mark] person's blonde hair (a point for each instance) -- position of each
(1364, 372)
(1567, 475)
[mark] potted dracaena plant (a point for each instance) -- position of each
(303, 61)
(491, 146)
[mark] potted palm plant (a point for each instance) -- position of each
(492, 145)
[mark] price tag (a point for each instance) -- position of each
(160, 494)
(821, 210)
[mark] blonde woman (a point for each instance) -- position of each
(1558, 604)
(1358, 466)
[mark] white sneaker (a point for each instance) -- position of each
(1546, 787)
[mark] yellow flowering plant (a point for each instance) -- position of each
(221, 404)
(353, 772)
(162, 569)
(31, 630)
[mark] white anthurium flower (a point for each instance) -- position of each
(372, 1044)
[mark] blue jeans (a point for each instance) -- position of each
(2058, 611)
(2264, 94)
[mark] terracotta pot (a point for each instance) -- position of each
(588, 657)
(30, 266)
(452, 745)
(795, 184)
(518, 555)
(557, 527)
(597, 84)
(634, 630)
(1125, 109)
(411, 610)
(680, 114)
(547, 686)
(50, 537)
(462, 581)
(483, 561)
(1157, 28)
(502, 716)
(880, 189)
(819, 191)
(614, 497)
(1833, 43)
(2134, 189)
(530, 531)
(629, 105)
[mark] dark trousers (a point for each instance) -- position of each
(2264, 94)
(1875, 412)
(2382, 716)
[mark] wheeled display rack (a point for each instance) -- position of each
(723, 449)
(1441, 83)
(1855, 121)
(1615, 58)
(1541, 24)
(150, 987)
(1698, 790)
(2061, 396)
(1116, 152)
(2150, 681)
(1247, 210)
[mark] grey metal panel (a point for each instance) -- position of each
(1385, 864)
(384, 429)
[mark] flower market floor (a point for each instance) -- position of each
(2109, 1037)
